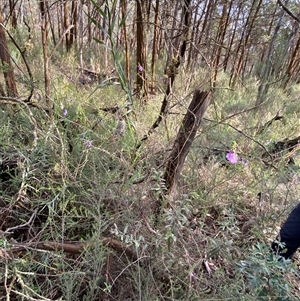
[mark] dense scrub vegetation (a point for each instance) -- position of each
(80, 183)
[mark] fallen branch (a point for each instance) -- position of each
(269, 123)
(9, 230)
(7, 254)
(21, 101)
(286, 147)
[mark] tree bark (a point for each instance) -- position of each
(8, 73)
(183, 143)
(127, 55)
(13, 15)
(141, 55)
(154, 47)
(74, 22)
(66, 25)
(44, 30)
(185, 137)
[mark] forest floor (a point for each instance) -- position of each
(78, 198)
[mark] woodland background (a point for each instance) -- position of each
(149, 149)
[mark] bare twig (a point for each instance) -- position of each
(151, 230)
(30, 116)
(247, 136)
(207, 267)
(60, 40)
(24, 101)
(9, 230)
(25, 62)
(78, 247)
(288, 11)
(172, 72)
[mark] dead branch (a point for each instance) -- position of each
(269, 123)
(182, 144)
(76, 248)
(288, 11)
(185, 137)
(22, 52)
(172, 72)
(23, 101)
(9, 230)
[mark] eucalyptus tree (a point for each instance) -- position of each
(7, 67)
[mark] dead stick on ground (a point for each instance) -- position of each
(77, 248)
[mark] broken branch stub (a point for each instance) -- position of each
(185, 137)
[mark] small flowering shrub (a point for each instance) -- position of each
(65, 112)
(233, 158)
(140, 68)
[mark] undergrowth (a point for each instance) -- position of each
(73, 180)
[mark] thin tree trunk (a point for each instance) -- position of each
(220, 40)
(141, 62)
(191, 50)
(59, 19)
(81, 31)
(243, 44)
(127, 55)
(172, 71)
(13, 16)
(154, 46)
(170, 45)
(89, 24)
(183, 142)
(50, 24)
(44, 30)
(6, 62)
(290, 73)
(66, 25)
(74, 22)
(266, 70)
(231, 41)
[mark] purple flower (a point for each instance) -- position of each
(140, 68)
(232, 157)
(89, 143)
(64, 111)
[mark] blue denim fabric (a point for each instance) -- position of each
(289, 235)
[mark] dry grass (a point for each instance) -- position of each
(79, 182)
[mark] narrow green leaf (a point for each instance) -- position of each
(102, 43)
(98, 8)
